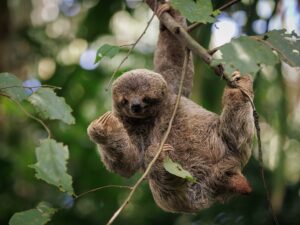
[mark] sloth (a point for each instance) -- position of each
(213, 148)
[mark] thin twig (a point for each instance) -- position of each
(223, 7)
(100, 188)
(212, 51)
(126, 45)
(30, 87)
(137, 184)
(30, 115)
(129, 52)
(260, 154)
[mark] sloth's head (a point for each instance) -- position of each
(139, 93)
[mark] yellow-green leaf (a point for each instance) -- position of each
(108, 51)
(177, 170)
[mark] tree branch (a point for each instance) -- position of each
(179, 32)
(164, 139)
(222, 8)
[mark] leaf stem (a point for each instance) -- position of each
(31, 116)
(100, 188)
(30, 87)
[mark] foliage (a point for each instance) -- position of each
(196, 11)
(177, 170)
(51, 165)
(39, 216)
(50, 106)
(286, 45)
(248, 54)
(11, 86)
(245, 55)
(106, 50)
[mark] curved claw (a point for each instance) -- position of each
(235, 76)
(163, 8)
(168, 148)
(105, 117)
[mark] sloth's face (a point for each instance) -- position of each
(137, 94)
(139, 106)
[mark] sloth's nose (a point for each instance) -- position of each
(136, 108)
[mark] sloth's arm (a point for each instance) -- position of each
(116, 149)
(169, 54)
(236, 121)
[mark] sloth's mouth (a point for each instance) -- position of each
(137, 115)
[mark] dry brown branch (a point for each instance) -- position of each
(163, 141)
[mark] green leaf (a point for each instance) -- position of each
(50, 106)
(108, 51)
(177, 170)
(196, 11)
(287, 45)
(11, 86)
(38, 216)
(51, 165)
(246, 55)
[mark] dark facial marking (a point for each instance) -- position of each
(150, 101)
(135, 105)
(124, 101)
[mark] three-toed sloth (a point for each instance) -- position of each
(213, 148)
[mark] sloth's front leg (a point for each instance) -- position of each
(117, 151)
(105, 128)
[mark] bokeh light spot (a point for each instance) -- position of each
(87, 59)
(264, 8)
(32, 84)
(46, 68)
(259, 26)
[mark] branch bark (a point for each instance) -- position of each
(179, 32)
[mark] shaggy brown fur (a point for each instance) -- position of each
(123, 134)
(213, 148)
(169, 56)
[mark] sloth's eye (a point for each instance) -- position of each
(124, 101)
(148, 100)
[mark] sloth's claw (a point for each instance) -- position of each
(103, 119)
(163, 8)
(168, 148)
(235, 76)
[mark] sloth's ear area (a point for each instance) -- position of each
(239, 184)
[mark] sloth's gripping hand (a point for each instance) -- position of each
(104, 127)
(117, 151)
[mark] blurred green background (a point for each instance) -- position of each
(55, 42)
